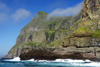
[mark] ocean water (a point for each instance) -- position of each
(16, 62)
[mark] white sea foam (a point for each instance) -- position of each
(60, 60)
(87, 60)
(71, 61)
(57, 60)
(14, 59)
(93, 64)
(31, 60)
(42, 60)
(66, 61)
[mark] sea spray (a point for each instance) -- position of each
(57, 60)
(14, 59)
(15, 62)
(31, 60)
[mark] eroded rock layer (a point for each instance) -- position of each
(81, 42)
(44, 53)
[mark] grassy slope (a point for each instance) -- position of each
(88, 28)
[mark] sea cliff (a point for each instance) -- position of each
(75, 37)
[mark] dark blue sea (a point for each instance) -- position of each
(16, 62)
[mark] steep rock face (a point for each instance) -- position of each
(35, 37)
(38, 23)
(91, 9)
(43, 32)
(90, 17)
(88, 28)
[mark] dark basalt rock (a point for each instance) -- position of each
(40, 55)
(48, 56)
(43, 53)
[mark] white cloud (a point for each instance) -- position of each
(21, 14)
(66, 12)
(3, 7)
(6, 15)
(3, 12)
(3, 17)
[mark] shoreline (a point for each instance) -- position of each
(56, 60)
(43, 53)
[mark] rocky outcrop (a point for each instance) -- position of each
(41, 53)
(81, 42)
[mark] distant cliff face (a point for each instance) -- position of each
(43, 32)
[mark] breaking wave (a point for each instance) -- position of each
(14, 59)
(57, 62)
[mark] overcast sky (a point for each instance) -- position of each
(15, 14)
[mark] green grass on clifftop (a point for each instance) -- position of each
(55, 43)
(86, 29)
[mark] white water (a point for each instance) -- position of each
(88, 64)
(15, 59)
(31, 60)
(70, 61)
